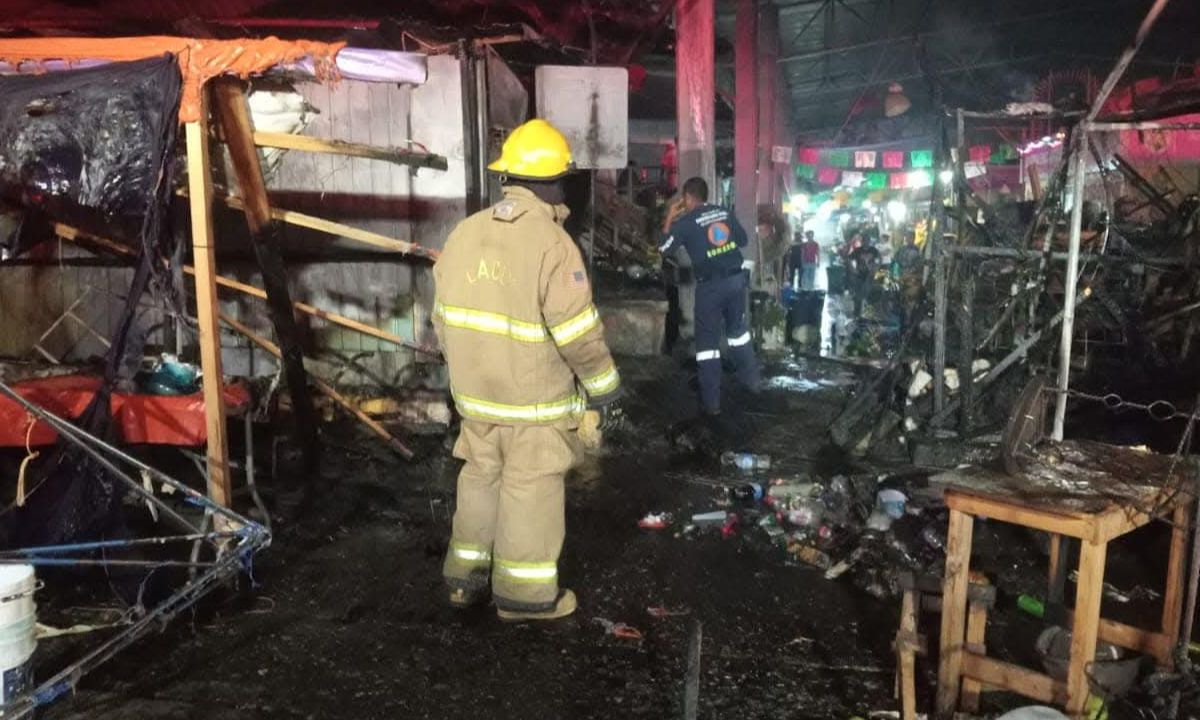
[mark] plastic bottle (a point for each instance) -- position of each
(747, 462)
(748, 493)
(804, 514)
(935, 539)
(1032, 605)
(792, 490)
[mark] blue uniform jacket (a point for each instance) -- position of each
(712, 238)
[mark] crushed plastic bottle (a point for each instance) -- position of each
(746, 462)
(933, 538)
(748, 493)
(788, 491)
(804, 514)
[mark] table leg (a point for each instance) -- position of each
(1176, 567)
(1055, 559)
(1088, 592)
(976, 636)
(906, 661)
(954, 610)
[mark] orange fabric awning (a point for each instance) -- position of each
(200, 59)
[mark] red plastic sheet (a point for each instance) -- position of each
(139, 419)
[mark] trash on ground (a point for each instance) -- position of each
(1112, 592)
(656, 521)
(660, 612)
(712, 517)
(619, 630)
(746, 462)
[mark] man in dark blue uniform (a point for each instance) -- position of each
(713, 240)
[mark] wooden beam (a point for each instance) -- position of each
(954, 610)
(306, 143)
(220, 487)
(1015, 678)
(76, 235)
(229, 95)
(349, 232)
(1073, 525)
(325, 389)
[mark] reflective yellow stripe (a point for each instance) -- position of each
(605, 382)
(489, 322)
(576, 327)
(470, 553)
(538, 412)
(530, 573)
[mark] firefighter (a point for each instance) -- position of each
(526, 355)
(712, 240)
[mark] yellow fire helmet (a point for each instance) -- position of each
(534, 151)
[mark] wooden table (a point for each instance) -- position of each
(1089, 491)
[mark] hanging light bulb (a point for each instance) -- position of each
(896, 103)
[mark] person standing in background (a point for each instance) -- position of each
(810, 260)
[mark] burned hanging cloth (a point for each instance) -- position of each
(88, 147)
(96, 143)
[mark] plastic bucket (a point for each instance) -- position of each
(17, 583)
(18, 624)
(16, 668)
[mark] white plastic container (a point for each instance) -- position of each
(18, 623)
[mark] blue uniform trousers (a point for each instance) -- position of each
(721, 304)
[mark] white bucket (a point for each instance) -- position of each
(18, 623)
(17, 583)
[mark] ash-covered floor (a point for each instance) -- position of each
(348, 621)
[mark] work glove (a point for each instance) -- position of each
(612, 416)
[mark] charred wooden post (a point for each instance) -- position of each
(230, 98)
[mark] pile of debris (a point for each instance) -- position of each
(864, 527)
(624, 236)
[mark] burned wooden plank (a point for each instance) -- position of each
(229, 95)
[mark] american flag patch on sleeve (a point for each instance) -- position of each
(576, 279)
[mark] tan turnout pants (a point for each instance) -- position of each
(509, 525)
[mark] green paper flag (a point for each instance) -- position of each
(877, 181)
(806, 172)
(838, 158)
(921, 158)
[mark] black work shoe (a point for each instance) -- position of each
(563, 607)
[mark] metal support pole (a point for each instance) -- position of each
(745, 121)
(939, 330)
(1114, 76)
(1068, 326)
(695, 90)
(966, 359)
(966, 349)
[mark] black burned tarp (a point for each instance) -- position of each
(92, 146)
